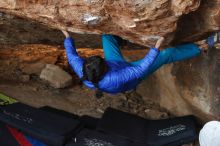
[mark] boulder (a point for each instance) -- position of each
(187, 87)
(56, 77)
(140, 21)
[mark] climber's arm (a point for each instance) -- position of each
(128, 78)
(159, 42)
(65, 33)
(74, 60)
(144, 64)
(136, 72)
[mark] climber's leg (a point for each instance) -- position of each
(170, 55)
(111, 46)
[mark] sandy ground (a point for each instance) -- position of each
(21, 65)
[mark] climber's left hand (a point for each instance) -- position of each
(65, 33)
(159, 42)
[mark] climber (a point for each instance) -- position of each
(209, 135)
(113, 74)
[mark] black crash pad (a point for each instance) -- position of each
(94, 138)
(49, 128)
(176, 131)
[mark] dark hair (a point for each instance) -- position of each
(94, 68)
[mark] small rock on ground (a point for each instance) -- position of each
(25, 78)
(56, 76)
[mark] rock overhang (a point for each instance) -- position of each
(139, 21)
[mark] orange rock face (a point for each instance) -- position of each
(140, 21)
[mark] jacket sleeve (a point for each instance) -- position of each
(74, 60)
(133, 74)
(146, 62)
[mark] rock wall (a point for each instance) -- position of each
(140, 21)
(188, 87)
(16, 30)
(199, 23)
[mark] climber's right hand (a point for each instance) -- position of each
(159, 42)
(65, 33)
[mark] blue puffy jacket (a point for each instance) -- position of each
(120, 77)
